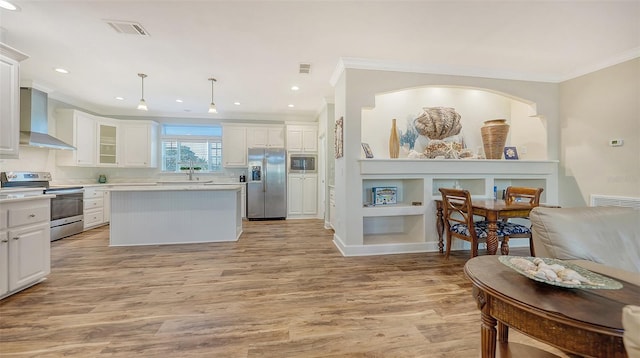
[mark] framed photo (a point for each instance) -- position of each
(339, 138)
(367, 150)
(384, 195)
(510, 153)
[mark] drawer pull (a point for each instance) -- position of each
(5, 240)
(32, 215)
(16, 238)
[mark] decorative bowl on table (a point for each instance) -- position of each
(565, 274)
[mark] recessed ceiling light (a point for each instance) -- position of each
(179, 100)
(120, 98)
(290, 106)
(295, 88)
(236, 103)
(8, 6)
(59, 69)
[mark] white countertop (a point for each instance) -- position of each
(176, 187)
(15, 197)
(151, 183)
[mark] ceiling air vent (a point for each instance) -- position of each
(305, 68)
(127, 27)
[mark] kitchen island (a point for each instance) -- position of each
(174, 214)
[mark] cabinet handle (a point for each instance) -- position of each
(16, 238)
(5, 240)
(32, 215)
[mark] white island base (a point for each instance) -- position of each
(155, 215)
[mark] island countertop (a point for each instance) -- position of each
(178, 187)
(174, 214)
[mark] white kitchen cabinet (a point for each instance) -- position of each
(106, 205)
(139, 144)
(265, 137)
(234, 146)
(107, 146)
(243, 202)
(78, 129)
(10, 101)
(302, 138)
(4, 262)
(93, 207)
(106, 142)
(302, 198)
(25, 245)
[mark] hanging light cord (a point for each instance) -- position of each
(142, 76)
(212, 81)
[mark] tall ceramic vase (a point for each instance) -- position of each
(494, 136)
(394, 141)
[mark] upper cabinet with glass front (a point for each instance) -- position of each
(106, 142)
(107, 135)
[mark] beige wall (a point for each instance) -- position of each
(596, 108)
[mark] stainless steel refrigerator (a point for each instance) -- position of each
(267, 184)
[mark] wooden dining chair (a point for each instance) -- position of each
(458, 219)
(517, 194)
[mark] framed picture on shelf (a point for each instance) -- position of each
(339, 137)
(510, 153)
(384, 195)
(367, 150)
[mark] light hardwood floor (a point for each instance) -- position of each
(282, 290)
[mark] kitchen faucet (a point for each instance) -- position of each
(190, 174)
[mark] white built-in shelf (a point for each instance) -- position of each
(392, 210)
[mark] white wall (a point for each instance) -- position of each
(474, 106)
(596, 108)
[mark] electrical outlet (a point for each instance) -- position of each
(616, 142)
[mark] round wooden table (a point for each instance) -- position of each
(587, 322)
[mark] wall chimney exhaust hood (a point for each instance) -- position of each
(33, 121)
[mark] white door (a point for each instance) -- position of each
(310, 195)
(85, 140)
(29, 255)
(136, 145)
(4, 262)
(234, 146)
(295, 195)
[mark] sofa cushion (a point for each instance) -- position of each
(631, 325)
(606, 235)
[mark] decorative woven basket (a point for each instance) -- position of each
(494, 136)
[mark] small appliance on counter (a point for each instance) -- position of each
(102, 179)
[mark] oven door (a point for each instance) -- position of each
(67, 203)
(66, 212)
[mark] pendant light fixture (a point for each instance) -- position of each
(212, 106)
(142, 105)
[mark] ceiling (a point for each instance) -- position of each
(254, 48)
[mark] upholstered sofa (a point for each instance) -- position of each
(600, 239)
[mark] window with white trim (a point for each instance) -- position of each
(184, 146)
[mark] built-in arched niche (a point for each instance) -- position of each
(475, 105)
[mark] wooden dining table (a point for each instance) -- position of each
(492, 210)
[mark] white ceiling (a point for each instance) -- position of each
(254, 48)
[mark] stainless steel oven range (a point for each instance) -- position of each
(66, 208)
